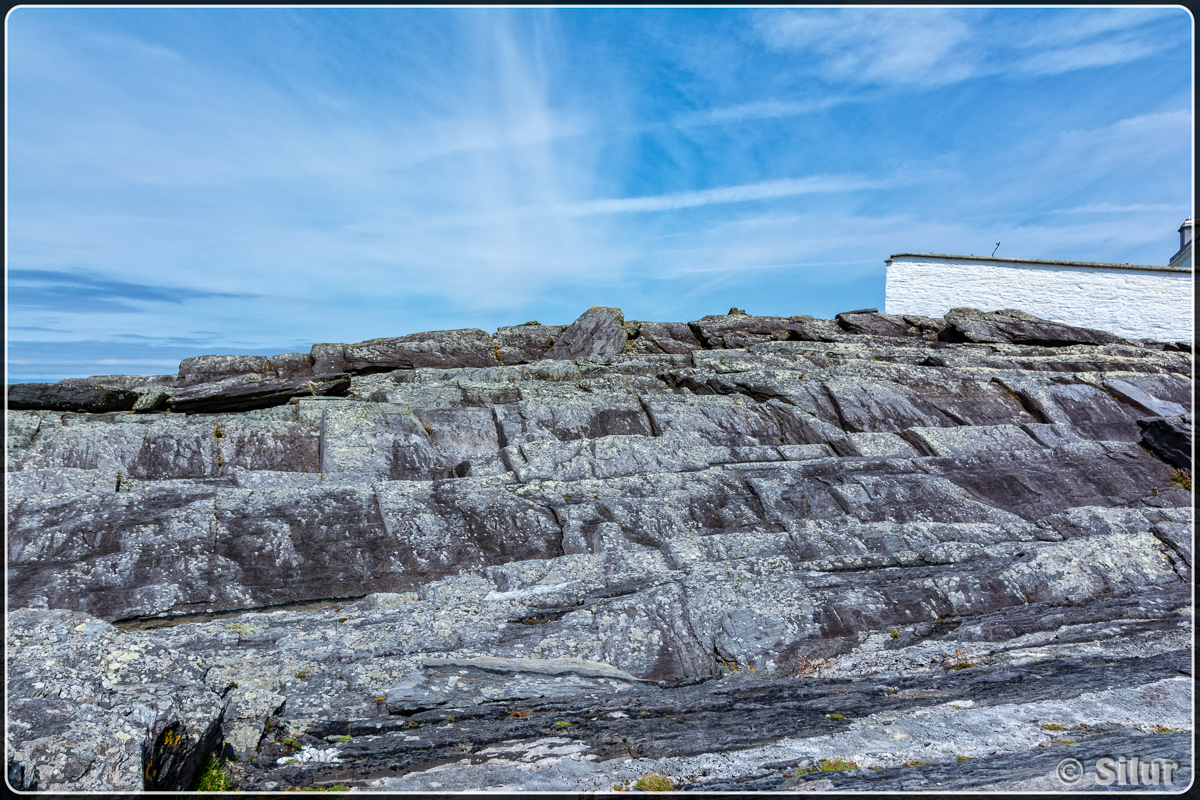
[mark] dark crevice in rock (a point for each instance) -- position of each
(152, 623)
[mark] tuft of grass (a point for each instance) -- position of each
(339, 787)
(917, 763)
(414, 724)
(213, 776)
(895, 634)
(835, 765)
(960, 661)
(1164, 729)
(653, 782)
(1052, 726)
(1182, 479)
(292, 741)
(562, 723)
(963, 758)
(345, 738)
(301, 675)
(836, 716)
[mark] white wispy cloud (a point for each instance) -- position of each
(1113, 208)
(933, 47)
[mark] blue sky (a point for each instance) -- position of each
(192, 181)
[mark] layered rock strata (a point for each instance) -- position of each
(562, 557)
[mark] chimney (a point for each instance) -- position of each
(1185, 233)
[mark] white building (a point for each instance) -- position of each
(1131, 300)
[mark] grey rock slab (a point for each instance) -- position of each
(970, 440)
(460, 434)
(599, 332)
(604, 457)
(1160, 395)
(22, 429)
(446, 526)
(69, 397)
(469, 347)
(328, 359)
(123, 381)
(1091, 410)
(568, 419)
(206, 369)
(61, 480)
(166, 448)
(521, 344)
(461, 683)
(93, 709)
(660, 337)
(1034, 484)
(972, 325)
(246, 392)
(811, 329)
(876, 324)
(1169, 438)
(378, 441)
(731, 331)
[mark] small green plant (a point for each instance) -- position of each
(346, 738)
(916, 763)
(1164, 729)
(414, 724)
(1052, 726)
(654, 782)
(301, 675)
(836, 716)
(962, 758)
(1182, 479)
(961, 660)
(895, 634)
(213, 776)
(335, 788)
(292, 741)
(449, 719)
(835, 765)
(562, 723)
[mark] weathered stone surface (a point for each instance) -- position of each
(69, 397)
(811, 329)
(206, 369)
(598, 333)
(660, 337)
(1016, 327)
(876, 324)
(123, 381)
(727, 331)
(526, 343)
(721, 559)
(253, 391)
(461, 348)
(94, 709)
(1169, 438)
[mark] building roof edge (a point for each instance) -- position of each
(1103, 264)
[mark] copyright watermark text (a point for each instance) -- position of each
(1119, 771)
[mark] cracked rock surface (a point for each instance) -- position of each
(941, 554)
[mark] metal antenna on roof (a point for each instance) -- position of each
(997, 248)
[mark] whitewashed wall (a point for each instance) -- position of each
(1134, 303)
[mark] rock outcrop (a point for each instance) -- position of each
(743, 552)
